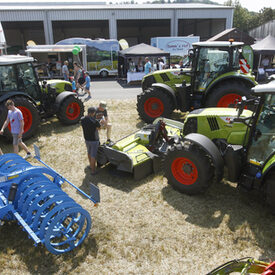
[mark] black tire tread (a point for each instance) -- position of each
(270, 191)
(154, 92)
(203, 163)
(224, 88)
(61, 114)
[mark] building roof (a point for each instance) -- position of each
(235, 34)
(72, 4)
(217, 44)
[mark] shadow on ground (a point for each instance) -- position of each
(224, 202)
(45, 262)
(134, 84)
(110, 176)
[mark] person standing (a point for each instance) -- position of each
(90, 127)
(65, 70)
(86, 85)
(1, 152)
(148, 66)
(15, 118)
(101, 115)
(160, 64)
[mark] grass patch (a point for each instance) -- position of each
(142, 227)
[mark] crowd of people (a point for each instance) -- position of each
(148, 68)
(96, 119)
(81, 80)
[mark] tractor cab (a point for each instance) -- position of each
(19, 82)
(262, 144)
(212, 59)
(17, 74)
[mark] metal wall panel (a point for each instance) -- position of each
(264, 30)
(113, 13)
(11, 16)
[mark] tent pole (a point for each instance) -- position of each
(259, 63)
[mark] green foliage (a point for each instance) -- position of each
(246, 20)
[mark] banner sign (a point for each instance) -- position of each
(175, 45)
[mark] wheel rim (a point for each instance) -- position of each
(184, 171)
(73, 111)
(27, 115)
(229, 100)
(68, 230)
(154, 107)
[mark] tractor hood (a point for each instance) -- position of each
(217, 123)
(169, 71)
(59, 85)
(54, 82)
(220, 112)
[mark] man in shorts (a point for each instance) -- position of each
(90, 127)
(102, 116)
(15, 118)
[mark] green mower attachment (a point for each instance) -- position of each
(140, 152)
(244, 266)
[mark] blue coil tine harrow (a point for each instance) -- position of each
(32, 195)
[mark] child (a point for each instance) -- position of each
(73, 86)
(86, 85)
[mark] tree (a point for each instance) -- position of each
(246, 20)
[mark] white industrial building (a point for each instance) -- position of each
(47, 22)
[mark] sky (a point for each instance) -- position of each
(253, 5)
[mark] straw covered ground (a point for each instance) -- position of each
(140, 227)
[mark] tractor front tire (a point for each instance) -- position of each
(30, 114)
(153, 103)
(270, 191)
(227, 94)
(70, 111)
(188, 169)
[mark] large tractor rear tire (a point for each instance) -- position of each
(188, 169)
(227, 94)
(71, 110)
(153, 103)
(30, 115)
(270, 191)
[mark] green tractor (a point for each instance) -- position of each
(213, 80)
(245, 266)
(19, 82)
(195, 153)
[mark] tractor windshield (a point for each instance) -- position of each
(211, 63)
(263, 144)
(19, 77)
(8, 80)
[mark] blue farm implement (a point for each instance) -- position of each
(32, 195)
